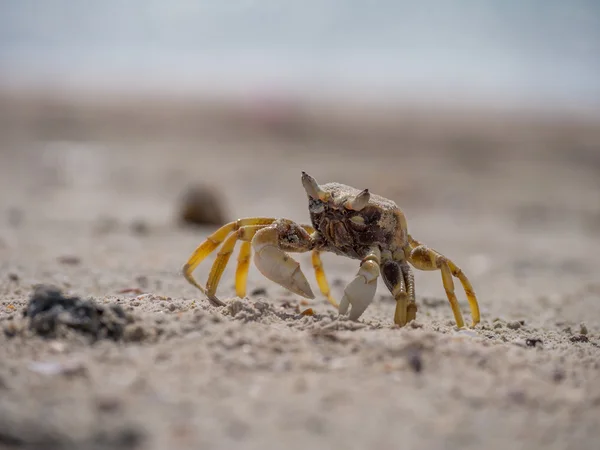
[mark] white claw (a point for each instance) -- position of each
(280, 268)
(359, 293)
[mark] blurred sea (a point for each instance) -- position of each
(509, 50)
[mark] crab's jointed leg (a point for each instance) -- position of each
(321, 278)
(424, 258)
(211, 243)
(318, 268)
(409, 279)
(399, 279)
(243, 266)
(270, 238)
(245, 233)
(360, 292)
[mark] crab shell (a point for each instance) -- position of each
(351, 221)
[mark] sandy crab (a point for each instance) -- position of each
(345, 221)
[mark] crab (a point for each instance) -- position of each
(345, 221)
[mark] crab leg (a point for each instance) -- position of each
(243, 266)
(212, 242)
(399, 279)
(272, 261)
(424, 258)
(409, 280)
(360, 292)
(321, 278)
(245, 233)
(319, 270)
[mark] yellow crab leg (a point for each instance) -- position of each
(213, 241)
(320, 271)
(469, 291)
(321, 278)
(424, 258)
(245, 233)
(395, 282)
(243, 266)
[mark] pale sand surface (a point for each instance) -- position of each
(516, 204)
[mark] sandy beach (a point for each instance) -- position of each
(90, 191)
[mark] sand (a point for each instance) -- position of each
(89, 202)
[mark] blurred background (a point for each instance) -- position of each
(481, 110)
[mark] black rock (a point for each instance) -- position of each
(49, 310)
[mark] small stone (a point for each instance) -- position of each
(308, 312)
(583, 329)
(514, 325)
(579, 338)
(517, 396)
(57, 347)
(533, 342)
(498, 325)
(128, 437)
(11, 330)
(13, 277)
(415, 361)
(69, 260)
(258, 291)
(172, 307)
(135, 333)
(108, 404)
(140, 227)
(200, 205)
(558, 375)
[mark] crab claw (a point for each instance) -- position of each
(360, 292)
(278, 266)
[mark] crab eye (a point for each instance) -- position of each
(316, 206)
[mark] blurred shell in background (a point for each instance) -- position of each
(201, 205)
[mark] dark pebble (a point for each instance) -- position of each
(140, 227)
(49, 310)
(258, 291)
(532, 342)
(201, 205)
(69, 260)
(415, 361)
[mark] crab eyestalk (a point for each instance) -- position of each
(312, 188)
(360, 201)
